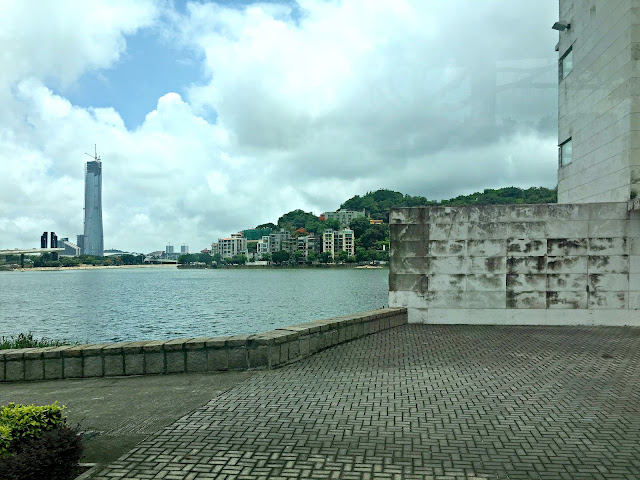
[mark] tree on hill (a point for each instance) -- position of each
(270, 225)
(377, 204)
(299, 219)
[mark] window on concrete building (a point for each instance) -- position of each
(565, 153)
(565, 65)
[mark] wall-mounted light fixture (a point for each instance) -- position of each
(561, 26)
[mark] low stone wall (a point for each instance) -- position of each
(207, 354)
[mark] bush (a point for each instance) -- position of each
(54, 455)
(37, 443)
(29, 421)
(23, 340)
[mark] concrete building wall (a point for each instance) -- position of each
(517, 264)
(598, 103)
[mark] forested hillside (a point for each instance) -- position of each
(378, 203)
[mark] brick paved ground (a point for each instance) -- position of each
(421, 402)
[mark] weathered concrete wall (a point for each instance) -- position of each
(240, 352)
(598, 105)
(517, 264)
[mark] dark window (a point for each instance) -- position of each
(565, 64)
(565, 153)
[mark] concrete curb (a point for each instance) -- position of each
(261, 351)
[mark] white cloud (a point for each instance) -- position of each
(352, 96)
(61, 40)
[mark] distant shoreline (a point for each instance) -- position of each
(87, 267)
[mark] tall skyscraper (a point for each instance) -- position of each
(93, 242)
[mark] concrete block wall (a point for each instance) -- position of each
(209, 354)
(517, 264)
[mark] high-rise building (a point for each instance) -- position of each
(93, 241)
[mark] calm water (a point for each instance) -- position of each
(158, 303)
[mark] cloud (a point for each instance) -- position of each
(61, 40)
(302, 108)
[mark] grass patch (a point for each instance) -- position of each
(26, 340)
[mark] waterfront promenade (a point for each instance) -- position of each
(413, 402)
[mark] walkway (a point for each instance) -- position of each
(421, 402)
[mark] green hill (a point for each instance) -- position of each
(378, 203)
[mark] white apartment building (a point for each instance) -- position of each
(228, 247)
(335, 241)
(263, 246)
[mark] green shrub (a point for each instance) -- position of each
(21, 422)
(37, 443)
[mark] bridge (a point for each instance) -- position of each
(29, 251)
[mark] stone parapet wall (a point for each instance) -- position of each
(207, 354)
(517, 264)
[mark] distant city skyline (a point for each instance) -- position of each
(220, 116)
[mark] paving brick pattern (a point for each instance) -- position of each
(421, 402)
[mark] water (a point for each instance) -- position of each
(112, 305)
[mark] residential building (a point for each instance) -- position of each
(184, 248)
(344, 216)
(375, 222)
(228, 247)
(282, 240)
(263, 246)
(598, 101)
(309, 244)
(335, 241)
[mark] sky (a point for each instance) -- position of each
(214, 117)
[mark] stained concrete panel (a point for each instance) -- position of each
(608, 282)
(443, 282)
(608, 264)
(529, 230)
(525, 247)
(484, 231)
(567, 246)
(565, 229)
(447, 231)
(485, 282)
(567, 299)
(440, 248)
(491, 265)
(609, 246)
(566, 264)
(451, 265)
(527, 282)
(444, 300)
(526, 265)
(608, 228)
(567, 282)
(609, 300)
(526, 299)
(489, 248)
